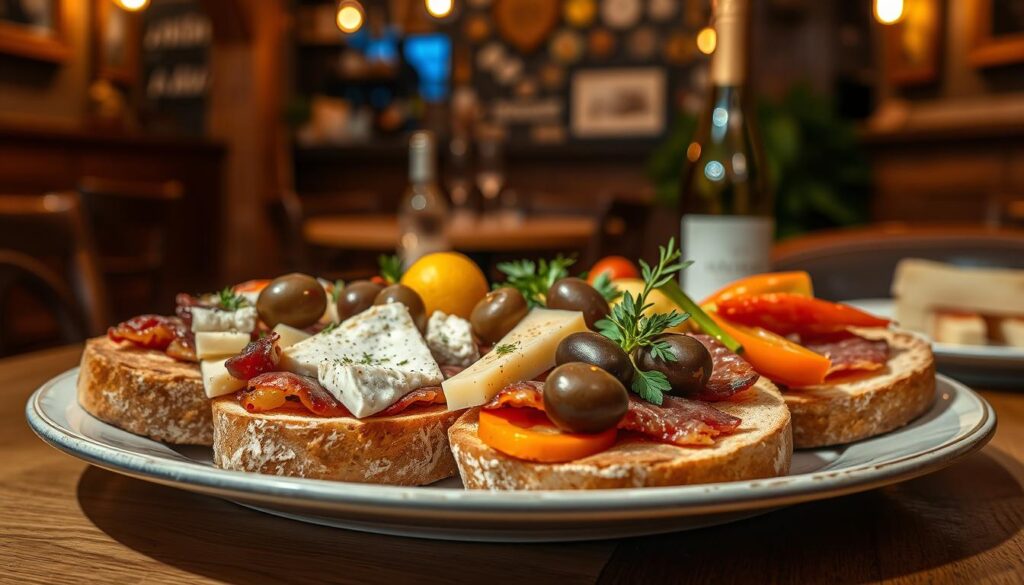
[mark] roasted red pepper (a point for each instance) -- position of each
(789, 313)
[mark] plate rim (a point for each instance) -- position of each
(680, 500)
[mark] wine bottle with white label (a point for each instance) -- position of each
(727, 223)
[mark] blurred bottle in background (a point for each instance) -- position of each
(727, 224)
(423, 213)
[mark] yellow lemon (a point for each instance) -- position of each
(662, 304)
(447, 281)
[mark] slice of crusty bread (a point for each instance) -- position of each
(145, 392)
(859, 407)
(762, 447)
(408, 449)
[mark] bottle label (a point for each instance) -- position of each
(723, 248)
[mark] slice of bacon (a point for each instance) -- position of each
(258, 357)
(849, 352)
(421, 396)
(270, 390)
(148, 331)
(677, 421)
(731, 374)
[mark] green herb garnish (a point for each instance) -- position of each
(390, 268)
(603, 284)
(339, 285)
(506, 348)
(229, 301)
(533, 279)
(330, 327)
(627, 325)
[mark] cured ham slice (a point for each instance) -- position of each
(420, 396)
(148, 331)
(731, 374)
(678, 421)
(258, 357)
(850, 352)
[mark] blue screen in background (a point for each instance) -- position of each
(431, 56)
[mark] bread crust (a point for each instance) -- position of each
(763, 447)
(858, 408)
(408, 449)
(145, 392)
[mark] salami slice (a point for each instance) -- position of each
(850, 352)
(425, 396)
(731, 374)
(678, 421)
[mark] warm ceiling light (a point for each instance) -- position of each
(888, 11)
(350, 16)
(132, 5)
(707, 39)
(440, 8)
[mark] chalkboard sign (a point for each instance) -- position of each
(176, 39)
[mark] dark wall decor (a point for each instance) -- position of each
(33, 29)
(998, 33)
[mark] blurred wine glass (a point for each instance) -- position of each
(490, 172)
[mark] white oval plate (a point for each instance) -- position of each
(958, 423)
(979, 365)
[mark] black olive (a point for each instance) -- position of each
(294, 299)
(574, 294)
(497, 313)
(581, 398)
(357, 297)
(597, 350)
(399, 293)
(689, 373)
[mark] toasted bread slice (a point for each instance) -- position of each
(408, 449)
(856, 408)
(145, 392)
(762, 447)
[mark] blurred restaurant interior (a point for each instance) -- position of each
(149, 147)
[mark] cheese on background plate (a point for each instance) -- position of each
(219, 344)
(368, 362)
(527, 350)
(216, 379)
(242, 320)
(289, 335)
(450, 339)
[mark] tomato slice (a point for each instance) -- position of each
(788, 313)
(775, 357)
(795, 282)
(526, 433)
(615, 266)
(252, 286)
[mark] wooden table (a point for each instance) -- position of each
(62, 521)
(489, 233)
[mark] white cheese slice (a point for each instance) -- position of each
(289, 335)
(219, 344)
(1012, 331)
(527, 350)
(242, 320)
(959, 329)
(216, 379)
(368, 362)
(450, 339)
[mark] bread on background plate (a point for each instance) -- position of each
(145, 392)
(762, 447)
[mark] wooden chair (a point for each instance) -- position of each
(138, 227)
(26, 281)
(51, 230)
(859, 263)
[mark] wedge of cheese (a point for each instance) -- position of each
(216, 379)
(525, 352)
(219, 344)
(289, 335)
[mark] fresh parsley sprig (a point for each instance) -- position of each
(533, 279)
(604, 285)
(627, 325)
(228, 300)
(390, 268)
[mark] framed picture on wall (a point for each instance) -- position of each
(913, 46)
(998, 33)
(618, 103)
(116, 42)
(33, 29)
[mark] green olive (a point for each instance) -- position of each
(399, 293)
(497, 313)
(297, 300)
(597, 350)
(574, 294)
(582, 398)
(357, 297)
(689, 373)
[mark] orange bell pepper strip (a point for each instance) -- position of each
(775, 357)
(788, 313)
(795, 282)
(526, 433)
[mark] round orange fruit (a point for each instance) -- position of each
(447, 281)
